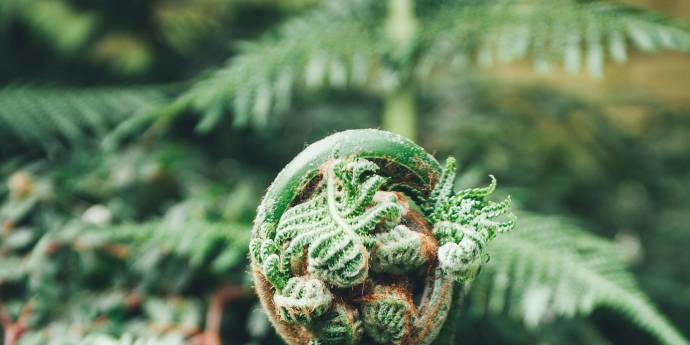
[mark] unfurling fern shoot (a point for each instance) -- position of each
(362, 238)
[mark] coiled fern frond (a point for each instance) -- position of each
(338, 209)
(302, 300)
(401, 250)
(334, 226)
(342, 326)
(464, 223)
(388, 314)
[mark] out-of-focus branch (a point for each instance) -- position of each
(14, 330)
(214, 316)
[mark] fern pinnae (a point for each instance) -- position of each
(331, 228)
(464, 223)
(443, 188)
(573, 273)
(581, 34)
(274, 271)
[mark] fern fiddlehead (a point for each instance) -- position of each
(302, 300)
(354, 227)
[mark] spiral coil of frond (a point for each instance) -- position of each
(340, 249)
(341, 327)
(302, 300)
(464, 222)
(401, 250)
(388, 314)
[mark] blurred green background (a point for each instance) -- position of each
(137, 137)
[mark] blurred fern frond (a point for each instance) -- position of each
(59, 23)
(551, 267)
(10, 269)
(48, 118)
(131, 263)
(575, 33)
(220, 245)
(184, 24)
(129, 339)
(342, 45)
(330, 46)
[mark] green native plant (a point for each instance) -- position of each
(362, 238)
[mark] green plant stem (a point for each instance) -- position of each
(400, 112)
(401, 24)
(448, 332)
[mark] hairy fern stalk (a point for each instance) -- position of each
(362, 238)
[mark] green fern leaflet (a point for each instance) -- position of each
(335, 225)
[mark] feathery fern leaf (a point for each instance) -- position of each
(331, 45)
(129, 339)
(195, 240)
(578, 34)
(48, 117)
(60, 23)
(464, 222)
(198, 242)
(554, 268)
(343, 44)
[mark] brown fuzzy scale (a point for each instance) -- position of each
(402, 174)
(416, 221)
(310, 185)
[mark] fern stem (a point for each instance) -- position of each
(400, 112)
(401, 24)
(447, 336)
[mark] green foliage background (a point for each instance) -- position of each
(137, 137)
